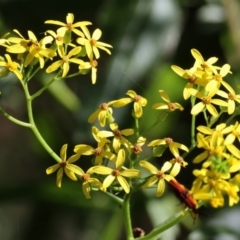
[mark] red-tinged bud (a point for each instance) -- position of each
(138, 232)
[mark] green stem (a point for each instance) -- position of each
(12, 119)
(127, 217)
(34, 127)
(39, 92)
(115, 198)
(165, 225)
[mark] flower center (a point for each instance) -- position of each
(115, 172)
(231, 96)
(69, 26)
(63, 164)
(104, 106)
(117, 133)
(168, 141)
(137, 98)
(85, 177)
(206, 100)
(192, 79)
(98, 151)
(160, 174)
(93, 42)
(137, 149)
(172, 106)
(94, 63)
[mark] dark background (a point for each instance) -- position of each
(148, 36)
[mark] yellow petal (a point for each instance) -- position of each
(130, 173)
(108, 181)
(59, 177)
(148, 166)
(53, 168)
(160, 188)
(102, 170)
(63, 152)
(123, 182)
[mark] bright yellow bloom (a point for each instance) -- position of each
(178, 162)
(234, 134)
(213, 183)
(232, 192)
(69, 26)
(231, 96)
(11, 66)
(66, 60)
(201, 64)
(221, 130)
(118, 173)
(194, 77)
(138, 100)
(92, 44)
(100, 152)
(89, 182)
(66, 166)
(173, 146)
(206, 103)
(118, 135)
(92, 64)
(168, 105)
(137, 147)
(59, 38)
(103, 113)
(158, 176)
(217, 80)
(34, 48)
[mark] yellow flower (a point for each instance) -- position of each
(66, 60)
(168, 105)
(206, 103)
(138, 100)
(232, 192)
(118, 173)
(103, 113)
(173, 146)
(217, 80)
(69, 26)
(235, 133)
(231, 96)
(178, 162)
(194, 77)
(88, 182)
(202, 64)
(66, 166)
(213, 183)
(34, 48)
(118, 135)
(137, 147)
(12, 66)
(59, 38)
(92, 44)
(158, 176)
(92, 64)
(98, 152)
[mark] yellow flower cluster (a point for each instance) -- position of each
(113, 147)
(220, 158)
(31, 51)
(116, 157)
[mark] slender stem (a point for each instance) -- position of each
(34, 127)
(39, 92)
(115, 198)
(12, 119)
(127, 217)
(165, 225)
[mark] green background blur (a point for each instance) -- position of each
(148, 36)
